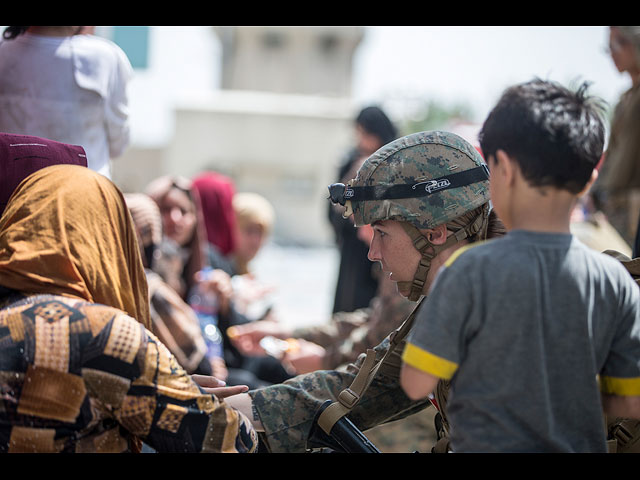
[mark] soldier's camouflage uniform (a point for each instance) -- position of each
(286, 410)
(348, 334)
(425, 161)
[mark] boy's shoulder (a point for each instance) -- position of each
(475, 251)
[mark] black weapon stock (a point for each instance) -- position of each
(344, 436)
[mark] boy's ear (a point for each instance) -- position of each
(594, 177)
(505, 166)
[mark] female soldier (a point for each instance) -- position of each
(425, 195)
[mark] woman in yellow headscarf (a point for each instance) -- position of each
(79, 370)
(68, 232)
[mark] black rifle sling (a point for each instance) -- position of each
(349, 397)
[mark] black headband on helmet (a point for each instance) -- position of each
(341, 193)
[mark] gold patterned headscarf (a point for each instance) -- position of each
(67, 231)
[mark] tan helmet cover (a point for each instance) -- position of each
(420, 159)
(448, 173)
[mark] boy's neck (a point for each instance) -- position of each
(544, 209)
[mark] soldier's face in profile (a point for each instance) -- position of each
(392, 247)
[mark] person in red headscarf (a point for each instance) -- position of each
(216, 193)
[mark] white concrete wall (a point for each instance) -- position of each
(308, 60)
(284, 147)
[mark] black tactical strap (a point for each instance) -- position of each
(418, 189)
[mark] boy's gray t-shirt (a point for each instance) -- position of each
(525, 324)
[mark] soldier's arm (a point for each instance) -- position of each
(354, 332)
(244, 404)
(286, 411)
(338, 328)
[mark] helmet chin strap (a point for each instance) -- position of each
(422, 244)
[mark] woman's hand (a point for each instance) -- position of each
(217, 387)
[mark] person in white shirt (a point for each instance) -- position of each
(62, 84)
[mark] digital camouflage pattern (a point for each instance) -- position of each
(415, 159)
(287, 410)
(415, 433)
(347, 334)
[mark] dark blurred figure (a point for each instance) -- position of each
(357, 280)
(617, 190)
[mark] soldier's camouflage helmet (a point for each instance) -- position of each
(425, 178)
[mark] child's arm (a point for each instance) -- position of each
(416, 383)
(621, 406)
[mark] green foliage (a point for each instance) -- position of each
(431, 115)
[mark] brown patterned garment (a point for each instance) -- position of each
(83, 377)
(80, 370)
(176, 324)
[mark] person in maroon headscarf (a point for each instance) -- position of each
(21, 155)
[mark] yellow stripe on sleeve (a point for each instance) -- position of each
(620, 386)
(453, 257)
(428, 362)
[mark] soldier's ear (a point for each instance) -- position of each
(437, 235)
